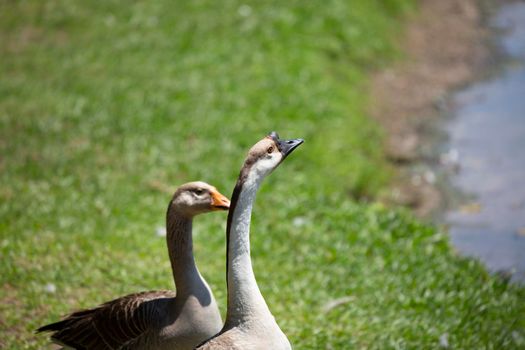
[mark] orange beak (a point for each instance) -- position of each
(219, 201)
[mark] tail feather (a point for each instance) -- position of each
(67, 322)
(54, 327)
(112, 325)
(66, 331)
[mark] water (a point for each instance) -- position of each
(488, 134)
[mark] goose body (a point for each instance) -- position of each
(156, 319)
(249, 323)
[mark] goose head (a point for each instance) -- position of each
(268, 153)
(198, 197)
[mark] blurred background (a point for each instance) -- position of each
(412, 153)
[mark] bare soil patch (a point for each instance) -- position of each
(445, 45)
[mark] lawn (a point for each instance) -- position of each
(106, 107)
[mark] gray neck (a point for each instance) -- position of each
(245, 301)
(188, 280)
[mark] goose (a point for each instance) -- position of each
(249, 323)
(156, 319)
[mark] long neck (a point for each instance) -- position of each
(180, 249)
(245, 301)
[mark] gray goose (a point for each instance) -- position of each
(249, 322)
(156, 319)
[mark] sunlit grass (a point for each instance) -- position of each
(103, 105)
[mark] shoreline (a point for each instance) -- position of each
(446, 45)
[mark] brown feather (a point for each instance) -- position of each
(112, 325)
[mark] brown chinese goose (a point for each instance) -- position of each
(249, 323)
(156, 319)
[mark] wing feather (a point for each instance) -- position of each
(112, 325)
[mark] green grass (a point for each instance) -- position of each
(102, 104)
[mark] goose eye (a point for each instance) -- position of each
(199, 192)
(270, 149)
